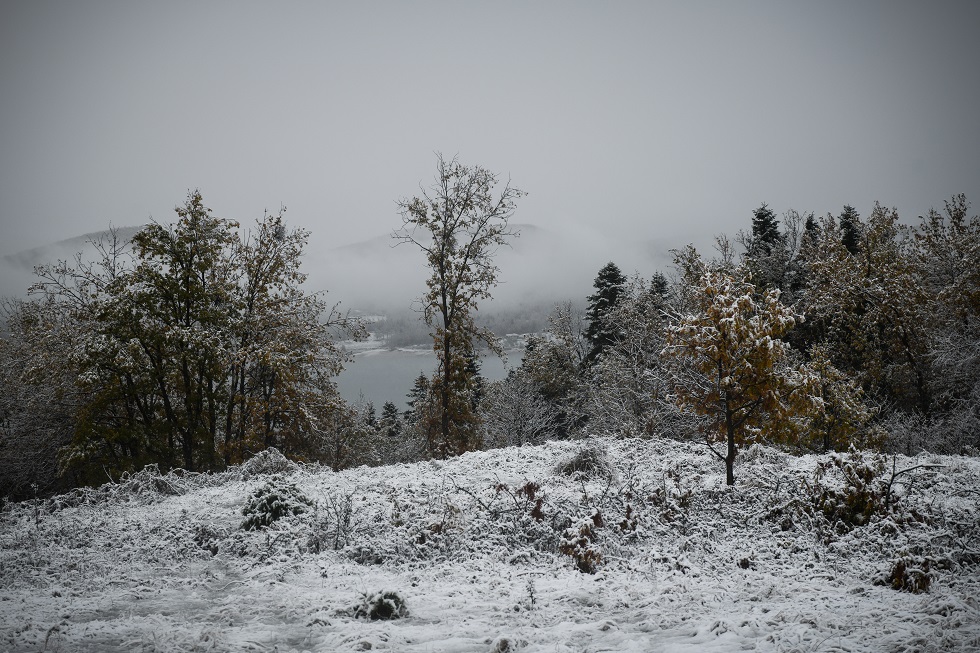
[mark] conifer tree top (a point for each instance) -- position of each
(610, 285)
(765, 228)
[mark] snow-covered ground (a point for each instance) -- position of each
(473, 546)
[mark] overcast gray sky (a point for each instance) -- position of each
(649, 120)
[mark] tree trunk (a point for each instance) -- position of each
(730, 457)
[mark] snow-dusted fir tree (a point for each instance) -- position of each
(390, 422)
(625, 387)
(774, 255)
(417, 398)
(458, 223)
(765, 231)
(603, 331)
(554, 362)
(419, 424)
(729, 363)
(851, 229)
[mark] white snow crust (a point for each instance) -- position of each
(159, 563)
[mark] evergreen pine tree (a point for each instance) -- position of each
(659, 287)
(811, 230)
(417, 396)
(391, 424)
(475, 379)
(767, 253)
(610, 285)
(370, 416)
(850, 229)
(765, 231)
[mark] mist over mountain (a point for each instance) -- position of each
(17, 270)
(378, 275)
(542, 265)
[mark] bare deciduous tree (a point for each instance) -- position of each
(458, 223)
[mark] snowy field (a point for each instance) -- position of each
(487, 552)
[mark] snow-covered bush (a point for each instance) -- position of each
(849, 490)
(527, 500)
(762, 455)
(271, 502)
(149, 483)
(333, 526)
(531, 518)
(267, 461)
(909, 575)
(579, 544)
(504, 645)
(671, 498)
(380, 606)
(208, 537)
(591, 461)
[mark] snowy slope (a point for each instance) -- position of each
(472, 547)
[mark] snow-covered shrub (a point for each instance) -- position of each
(268, 461)
(762, 455)
(208, 537)
(527, 500)
(380, 606)
(909, 575)
(271, 502)
(852, 490)
(672, 499)
(849, 490)
(332, 523)
(364, 555)
(504, 645)
(579, 543)
(148, 484)
(440, 536)
(591, 461)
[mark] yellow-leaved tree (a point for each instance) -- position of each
(729, 364)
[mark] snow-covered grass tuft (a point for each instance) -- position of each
(380, 606)
(486, 552)
(590, 461)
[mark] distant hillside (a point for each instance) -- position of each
(62, 249)
(17, 270)
(542, 266)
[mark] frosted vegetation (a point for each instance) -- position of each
(771, 447)
(596, 545)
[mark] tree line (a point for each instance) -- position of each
(195, 346)
(812, 334)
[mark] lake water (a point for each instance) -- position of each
(388, 375)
